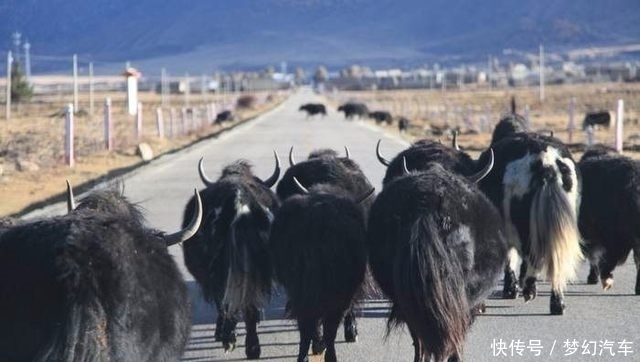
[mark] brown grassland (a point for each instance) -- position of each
(35, 132)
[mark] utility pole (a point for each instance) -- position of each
(541, 65)
(27, 61)
(75, 82)
(90, 88)
(163, 87)
(16, 36)
(8, 104)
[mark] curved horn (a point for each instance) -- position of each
(299, 185)
(207, 181)
(191, 229)
(292, 161)
(276, 173)
(485, 171)
(366, 196)
(513, 104)
(382, 160)
(454, 142)
(405, 169)
(346, 150)
(71, 202)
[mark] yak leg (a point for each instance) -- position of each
(606, 266)
(219, 322)
(350, 326)
(593, 274)
(529, 290)
(228, 330)
(510, 289)
(556, 303)
(307, 328)
(318, 346)
(330, 330)
(252, 343)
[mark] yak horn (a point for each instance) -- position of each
(71, 202)
(207, 181)
(292, 161)
(299, 185)
(405, 169)
(191, 229)
(382, 160)
(346, 150)
(454, 142)
(485, 171)
(276, 173)
(366, 196)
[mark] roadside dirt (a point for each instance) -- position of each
(32, 167)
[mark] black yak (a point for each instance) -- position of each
(320, 258)
(436, 249)
(609, 212)
(229, 256)
(352, 109)
(313, 108)
(422, 153)
(325, 167)
(403, 124)
(224, 116)
(93, 285)
(536, 185)
(381, 116)
(594, 119)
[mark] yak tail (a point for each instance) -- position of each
(249, 269)
(430, 292)
(82, 337)
(555, 239)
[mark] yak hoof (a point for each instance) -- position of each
(510, 290)
(557, 306)
(253, 352)
(318, 347)
(607, 283)
(592, 278)
(529, 293)
(350, 333)
(479, 309)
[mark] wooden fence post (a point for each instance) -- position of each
(108, 125)
(160, 122)
(68, 137)
(619, 125)
(572, 125)
(139, 122)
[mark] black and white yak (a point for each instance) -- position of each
(536, 186)
(93, 285)
(609, 213)
(229, 256)
(320, 258)
(436, 248)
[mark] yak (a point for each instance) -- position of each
(224, 116)
(422, 153)
(313, 108)
(93, 285)
(325, 167)
(599, 118)
(229, 255)
(609, 212)
(436, 249)
(381, 116)
(536, 186)
(352, 109)
(403, 124)
(319, 257)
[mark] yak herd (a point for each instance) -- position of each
(97, 284)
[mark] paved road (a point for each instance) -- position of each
(594, 319)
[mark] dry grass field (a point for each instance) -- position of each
(475, 112)
(34, 137)
(32, 157)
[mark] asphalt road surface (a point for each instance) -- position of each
(597, 325)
